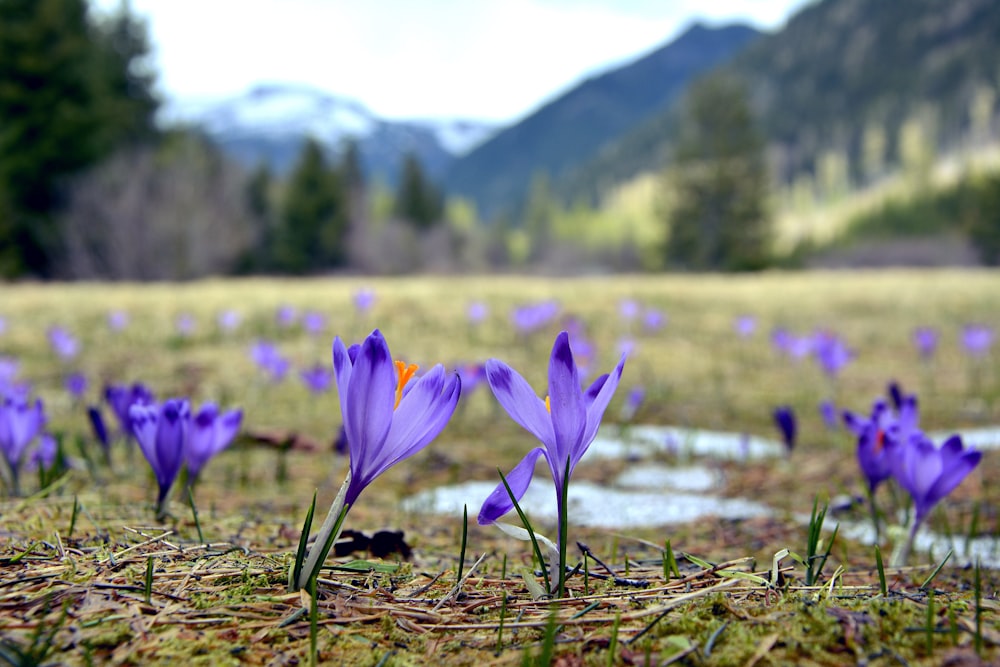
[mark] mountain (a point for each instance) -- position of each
(836, 70)
(268, 124)
(573, 128)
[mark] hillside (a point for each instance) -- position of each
(573, 128)
(837, 69)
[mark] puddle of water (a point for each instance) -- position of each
(644, 440)
(928, 545)
(591, 505)
(980, 438)
(690, 478)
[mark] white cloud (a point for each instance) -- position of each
(482, 59)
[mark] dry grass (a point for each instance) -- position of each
(226, 601)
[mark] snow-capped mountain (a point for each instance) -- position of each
(269, 122)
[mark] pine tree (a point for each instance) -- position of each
(68, 98)
(417, 200)
(718, 219)
(313, 228)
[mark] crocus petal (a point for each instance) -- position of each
(520, 401)
(422, 414)
(569, 416)
(226, 428)
(170, 436)
(498, 502)
(957, 463)
(342, 367)
(143, 421)
(595, 411)
(368, 404)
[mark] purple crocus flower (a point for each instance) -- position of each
(831, 353)
(364, 299)
(228, 320)
(565, 423)
(317, 379)
(97, 426)
(532, 317)
(63, 343)
(784, 417)
(477, 312)
(633, 401)
(628, 309)
(746, 325)
(926, 340)
(929, 474)
(208, 434)
(472, 376)
(313, 322)
(653, 320)
(44, 455)
(76, 385)
(285, 316)
(161, 430)
(20, 422)
(878, 437)
(185, 325)
(977, 340)
(386, 418)
(265, 354)
(117, 320)
(828, 411)
(122, 398)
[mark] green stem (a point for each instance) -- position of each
(327, 535)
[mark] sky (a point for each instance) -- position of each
(494, 60)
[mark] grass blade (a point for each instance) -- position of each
(300, 554)
(531, 532)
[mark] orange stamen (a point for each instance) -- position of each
(405, 375)
(548, 406)
(879, 440)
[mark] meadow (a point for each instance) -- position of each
(90, 576)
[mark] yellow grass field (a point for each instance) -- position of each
(225, 602)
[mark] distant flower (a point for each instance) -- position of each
(63, 343)
(653, 320)
(472, 376)
(532, 317)
(977, 340)
(317, 379)
(229, 320)
(161, 430)
(784, 417)
(477, 312)
(185, 325)
(566, 423)
(76, 385)
(745, 326)
(265, 354)
(633, 401)
(285, 316)
(926, 341)
(828, 411)
(364, 299)
(20, 422)
(878, 437)
(44, 455)
(208, 434)
(121, 398)
(9, 368)
(388, 415)
(117, 320)
(831, 353)
(313, 322)
(929, 474)
(97, 426)
(628, 309)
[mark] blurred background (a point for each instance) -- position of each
(150, 140)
